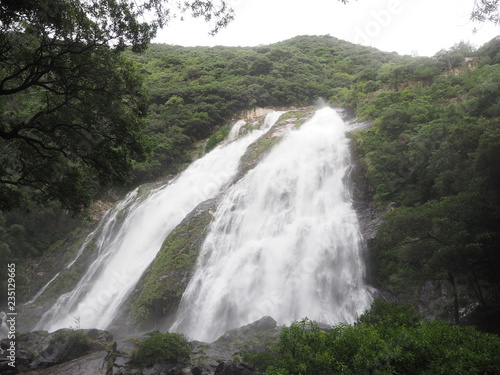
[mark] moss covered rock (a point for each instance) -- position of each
(263, 145)
(160, 289)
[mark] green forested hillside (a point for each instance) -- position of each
(431, 154)
(195, 91)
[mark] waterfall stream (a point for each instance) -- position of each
(132, 233)
(284, 242)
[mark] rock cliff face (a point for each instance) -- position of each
(39, 272)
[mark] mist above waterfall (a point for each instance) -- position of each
(284, 242)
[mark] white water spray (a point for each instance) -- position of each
(133, 232)
(284, 242)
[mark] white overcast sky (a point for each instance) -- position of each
(406, 26)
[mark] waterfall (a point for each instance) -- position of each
(79, 253)
(132, 233)
(284, 242)
(235, 130)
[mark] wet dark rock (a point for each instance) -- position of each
(253, 338)
(205, 358)
(231, 368)
(65, 345)
(202, 370)
(347, 114)
(121, 361)
(324, 326)
(91, 364)
(265, 326)
(5, 367)
(39, 350)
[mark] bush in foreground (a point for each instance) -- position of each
(388, 339)
(162, 348)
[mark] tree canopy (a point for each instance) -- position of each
(72, 106)
(430, 157)
(486, 11)
(116, 23)
(196, 91)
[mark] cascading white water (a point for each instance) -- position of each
(235, 130)
(133, 232)
(284, 242)
(106, 223)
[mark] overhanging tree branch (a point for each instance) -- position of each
(62, 90)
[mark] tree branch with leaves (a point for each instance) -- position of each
(72, 107)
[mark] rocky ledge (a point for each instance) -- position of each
(97, 352)
(67, 351)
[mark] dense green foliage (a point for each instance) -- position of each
(70, 129)
(162, 348)
(433, 154)
(79, 116)
(82, 125)
(196, 91)
(75, 343)
(388, 339)
(71, 104)
(76, 336)
(24, 237)
(80, 130)
(432, 150)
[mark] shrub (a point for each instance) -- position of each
(70, 344)
(77, 337)
(388, 339)
(303, 349)
(217, 137)
(383, 313)
(162, 348)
